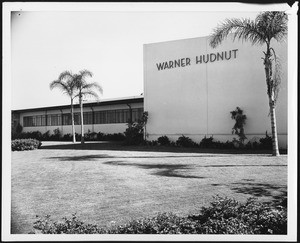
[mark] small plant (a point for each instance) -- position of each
(164, 140)
(240, 121)
(135, 132)
(207, 142)
(25, 144)
(266, 142)
(46, 136)
(184, 141)
(56, 135)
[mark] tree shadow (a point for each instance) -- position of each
(105, 156)
(258, 165)
(276, 192)
(168, 170)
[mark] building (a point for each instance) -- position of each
(110, 116)
(189, 89)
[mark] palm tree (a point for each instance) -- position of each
(266, 27)
(66, 84)
(85, 89)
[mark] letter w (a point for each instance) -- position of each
(160, 66)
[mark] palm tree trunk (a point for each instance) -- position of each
(274, 130)
(81, 116)
(72, 118)
(270, 91)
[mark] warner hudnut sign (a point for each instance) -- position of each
(205, 58)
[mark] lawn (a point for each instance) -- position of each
(106, 183)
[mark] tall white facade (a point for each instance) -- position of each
(190, 89)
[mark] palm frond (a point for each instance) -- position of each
(85, 73)
(90, 93)
(94, 85)
(273, 24)
(277, 74)
(243, 29)
(267, 25)
(59, 84)
(65, 74)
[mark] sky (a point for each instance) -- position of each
(45, 43)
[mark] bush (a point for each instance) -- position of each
(223, 216)
(46, 136)
(25, 144)
(110, 137)
(266, 142)
(207, 142)
(227, 216)
(57, 135)
(185, 142)
(134, 134)
(163, 140)
(90, 136)
(24, 135)
(67, 137)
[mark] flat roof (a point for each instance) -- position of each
(128, 100)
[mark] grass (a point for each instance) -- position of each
(106, 183)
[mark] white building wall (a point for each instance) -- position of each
(196, 100)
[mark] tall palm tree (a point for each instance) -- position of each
(66, 84)
(266, 27)
(85, 89)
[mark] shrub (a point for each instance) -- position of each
(46, 136)
(151, 143)
(207, 142)
(90, 136)
(223, 216)
(184, 141)
(57, 135)
(163, 140)
(67, 137)
(134, 134)
(240, 121)
(227, 216)
(266, 142)
(25, 144)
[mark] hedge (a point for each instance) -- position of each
(25, 144)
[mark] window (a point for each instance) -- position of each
(29, 121)
(126, 116)
(67, 119)
(100, 117)
(43, 120)
(87, 118)
(77, 118)
(111, 116)
(137, 114)
(119, 116)
(55, 120)
(38, 121)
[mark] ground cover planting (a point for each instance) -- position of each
(106, 185)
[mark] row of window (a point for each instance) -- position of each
(97, 117)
